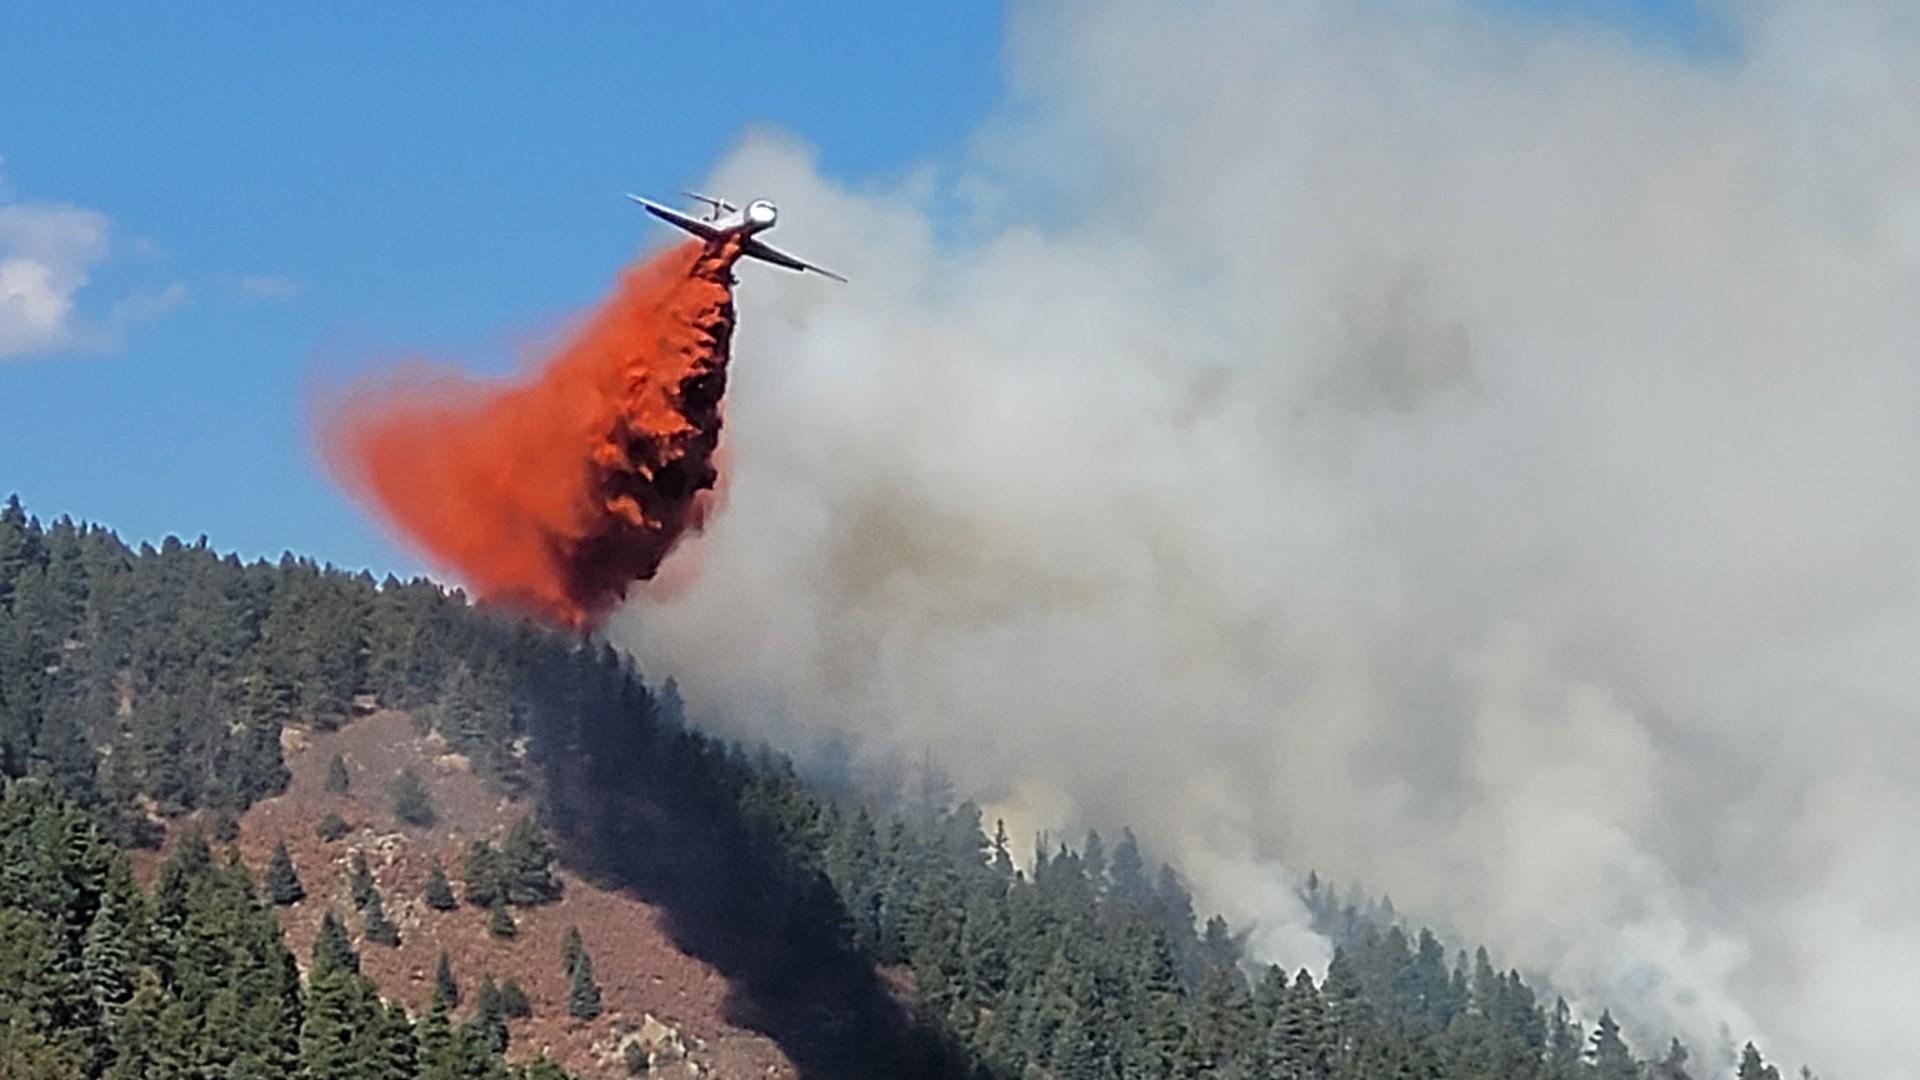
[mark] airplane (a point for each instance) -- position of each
(725, 219)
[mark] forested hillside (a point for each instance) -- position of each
(867, 939)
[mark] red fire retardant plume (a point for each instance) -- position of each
(555, 495)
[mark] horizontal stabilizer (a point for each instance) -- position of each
(668, 214)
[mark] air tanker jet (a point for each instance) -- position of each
(725, 219)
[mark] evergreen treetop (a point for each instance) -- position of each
(338, 782)
(583, 993)
(446, 990)
(438, 891)
(513, 1000)
(411, 803)
(375, 925)
(500, 921)
(332, 948)
(360, 879)
(283, 884)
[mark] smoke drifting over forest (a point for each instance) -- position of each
(1466, 453)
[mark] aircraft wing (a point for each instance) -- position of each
(668, 214)
(774, 255)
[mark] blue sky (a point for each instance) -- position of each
(341, 184)
(293, 190)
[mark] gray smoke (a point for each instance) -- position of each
(1466, 453)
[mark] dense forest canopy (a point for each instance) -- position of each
(141, 685)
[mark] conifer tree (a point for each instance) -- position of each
(446, 991)
(338, 782)
(490, 1015)
(360, 879)
(439, 1051)
(481, 874)
(527, 859)
(1674, 1065)
(500, 921)
(1563, 1040)
(513, 1000)
(283, 884)
(61, 753)
(106, 958)
(439, 891)
(374, 922)
(1608, 1054)
(1002, 861)
(1754, 1067)
(572, 948)
(1127, 872)
(348, 1034)
(583, 994)
(411, 804)
(331, 946)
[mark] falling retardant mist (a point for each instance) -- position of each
(555, 493)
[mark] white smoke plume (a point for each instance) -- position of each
(1459, 451)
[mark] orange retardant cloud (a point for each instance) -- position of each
(557, 494)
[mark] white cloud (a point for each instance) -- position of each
(1469, 456)
(145, 305)
(48, 253)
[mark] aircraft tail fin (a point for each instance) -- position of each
(719, 205)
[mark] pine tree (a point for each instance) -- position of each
(347, 1033)
(583, 994)
(439, 891)
(1754, 1067)
(338, 782)
(1674, 1065)
(500, 921)
(1002, 860)
(481, 874)
(411, 804)
(1093, 859)
(439, 1051)
(513, 1000)
(375, 924)
(527, 858)
(446, 991)
(669, 708)
(332, 948)
(490, 1015)
(572, 948)
(283, 884)
(138, 1046)
(1608, 1054)
(360, 879)
(106, 954)
(62, 754)
(1127, 872)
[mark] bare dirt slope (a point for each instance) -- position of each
(641, 972)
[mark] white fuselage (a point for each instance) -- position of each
(755, 217)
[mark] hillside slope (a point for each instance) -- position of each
(640, 972)
(717, 890)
